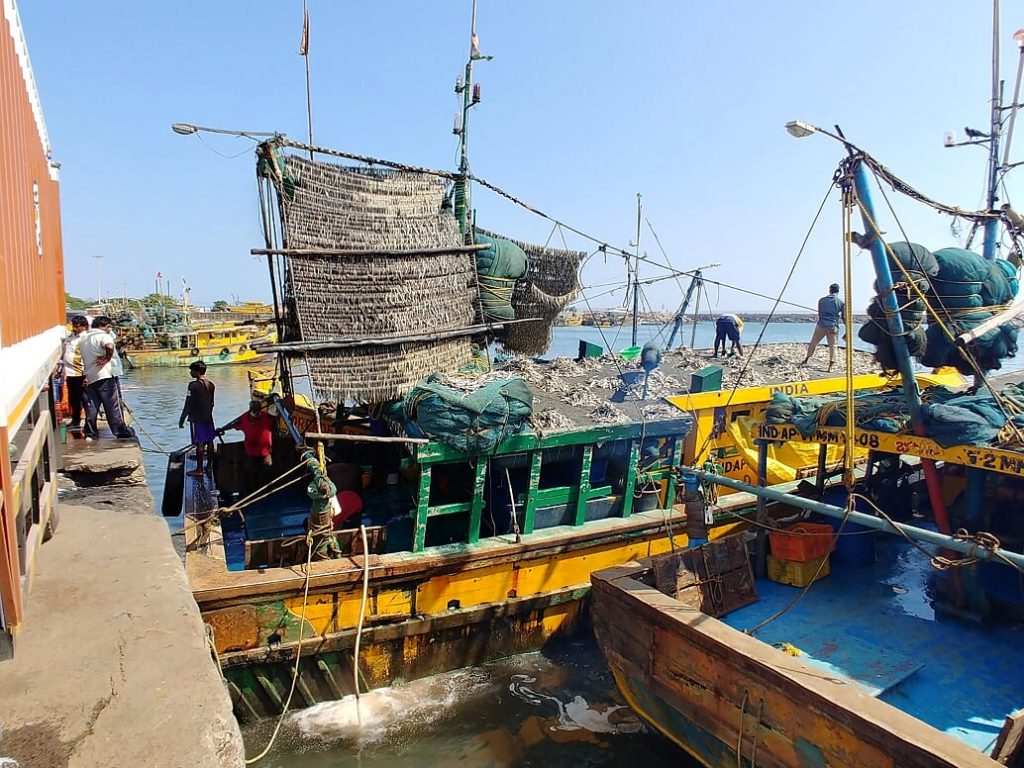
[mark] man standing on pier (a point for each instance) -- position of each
(830, 315)
(102, 367)
(74, 372)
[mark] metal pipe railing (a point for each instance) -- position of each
(969, 548)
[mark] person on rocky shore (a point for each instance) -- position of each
(830, 315)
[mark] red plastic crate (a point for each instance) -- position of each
(802, 542)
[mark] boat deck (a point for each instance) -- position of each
(875, 626)
(609, 390)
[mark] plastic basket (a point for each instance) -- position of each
(630, 353)
(797, 573)
(802, 541)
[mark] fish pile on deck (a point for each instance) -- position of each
(770, 364)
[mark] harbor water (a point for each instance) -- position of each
(554, 708)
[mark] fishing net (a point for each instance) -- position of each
(963, 289)
(550, 283)
(375, 295)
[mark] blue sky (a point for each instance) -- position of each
(584, 105)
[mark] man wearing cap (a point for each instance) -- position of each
(830, 315)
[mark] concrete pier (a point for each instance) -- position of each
(113, 667)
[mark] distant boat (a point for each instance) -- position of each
(213, 344)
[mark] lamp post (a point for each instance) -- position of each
(187, 129)
(99, 278)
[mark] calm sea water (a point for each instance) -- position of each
(552, 709)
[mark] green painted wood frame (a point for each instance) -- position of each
(576, 497)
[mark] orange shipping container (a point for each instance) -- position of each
(31, 320)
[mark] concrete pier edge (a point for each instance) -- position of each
(113, 667)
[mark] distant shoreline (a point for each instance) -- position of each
(747, 317)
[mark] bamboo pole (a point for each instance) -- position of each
(328, 344)
(993, 322)
(346, 438)
(367, 252)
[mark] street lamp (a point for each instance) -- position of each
(798, 129)
(187, 129)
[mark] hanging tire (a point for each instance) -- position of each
(243, 348)
(224, 353)
(195, 351)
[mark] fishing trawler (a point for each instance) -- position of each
(168, 335)
(426, 513)
(881, 625)
(223, 343)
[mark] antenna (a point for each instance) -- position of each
(636, 264)
(470, 98)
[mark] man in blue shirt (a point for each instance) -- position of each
(830, 315)
(728, 327)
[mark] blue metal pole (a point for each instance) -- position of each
(870, 521)
(911, 392)
(885, 285)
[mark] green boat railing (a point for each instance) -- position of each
(666, 437)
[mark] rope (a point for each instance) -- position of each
(850, 502)
(739, 740)
(982, 539)
(362, 613)
(136, 423)
(258, 495)
(849, 458)
(298, 656)
(771, 314)
(757, 732)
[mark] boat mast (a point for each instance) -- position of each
(1018, 38)
(856, 183)
(992, 225)
(470, 98)
(636, 265)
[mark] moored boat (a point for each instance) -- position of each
(468, 515)
(224, 343)
(900, 645)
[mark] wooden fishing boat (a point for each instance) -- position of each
(478, 529)
(874, 686)
(223, 343)
(890, 654)
(881, 660)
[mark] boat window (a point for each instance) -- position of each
(561, 467)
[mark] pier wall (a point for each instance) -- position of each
(113, 666)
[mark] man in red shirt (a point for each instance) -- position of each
(258, 427)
